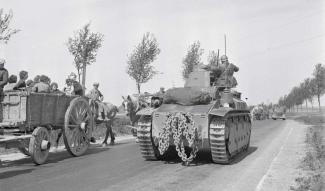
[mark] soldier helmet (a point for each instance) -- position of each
(95, 84)
(224, 58)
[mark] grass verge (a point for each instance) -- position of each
(313, 163)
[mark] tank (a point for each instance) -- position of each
(222, 125)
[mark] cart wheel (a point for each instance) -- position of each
(39, 145)
(78, 126)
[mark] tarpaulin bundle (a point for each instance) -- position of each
(187, 96)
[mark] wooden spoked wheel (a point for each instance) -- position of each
(39, 145)
(78, 126)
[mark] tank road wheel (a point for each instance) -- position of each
(228, 137)
(218, 142)
(148, 150)
(39, 145)
(78, 126)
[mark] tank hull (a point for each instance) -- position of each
(224, 131)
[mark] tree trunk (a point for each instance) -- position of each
(318, 97)
(306, 105)
(138, 87)
(84, 77)
(79, 74)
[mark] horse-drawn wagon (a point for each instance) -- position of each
(28, 118)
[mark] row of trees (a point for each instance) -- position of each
(139, 62)
(307, 90)
(84, 45)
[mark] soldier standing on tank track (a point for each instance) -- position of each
(228, 72)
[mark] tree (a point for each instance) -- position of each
(84, 46)
(319, 76)
(192, 58)
(5, 31)
(213, 58)
(139, 62)
(304, 88)
(313, 91)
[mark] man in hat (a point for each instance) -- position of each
(98, 97)
(3, 77)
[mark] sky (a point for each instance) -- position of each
(274, 43)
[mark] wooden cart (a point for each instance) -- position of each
(28, 118)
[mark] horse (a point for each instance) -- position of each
(112, 111)
(132, 106)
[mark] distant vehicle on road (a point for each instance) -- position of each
(279, 113)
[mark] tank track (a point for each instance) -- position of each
(229, 136)
(144, 138)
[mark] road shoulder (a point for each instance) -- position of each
(284, 169)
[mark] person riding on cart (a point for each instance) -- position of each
(98, 98)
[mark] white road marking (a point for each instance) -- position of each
(259, 186)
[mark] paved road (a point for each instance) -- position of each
(121, 167)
